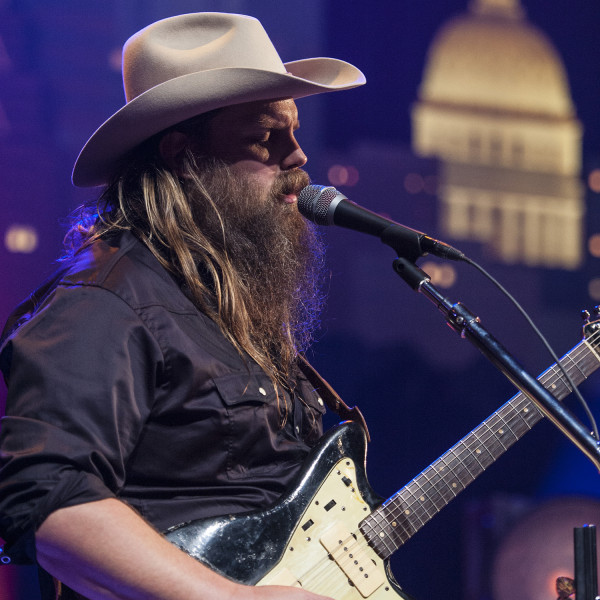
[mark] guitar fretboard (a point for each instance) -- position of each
(402, 515)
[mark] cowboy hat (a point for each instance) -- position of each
(190, 64)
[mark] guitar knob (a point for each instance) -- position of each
(585, 315)
(596, 310)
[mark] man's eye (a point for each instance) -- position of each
(261, 139)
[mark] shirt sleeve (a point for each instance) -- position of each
(81, 376)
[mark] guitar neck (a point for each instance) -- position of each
(402, 515)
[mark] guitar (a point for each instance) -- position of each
(331, 534)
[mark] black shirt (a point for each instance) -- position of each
(118, 386)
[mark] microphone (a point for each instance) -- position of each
(327, 206)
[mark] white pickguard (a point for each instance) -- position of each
(327, 554)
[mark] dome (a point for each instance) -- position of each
(492, 58)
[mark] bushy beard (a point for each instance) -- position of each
(276, 254)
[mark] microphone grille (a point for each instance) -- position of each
(314, 202)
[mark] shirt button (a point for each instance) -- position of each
(262, 391)
(320, 400)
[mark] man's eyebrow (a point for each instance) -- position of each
(270, 122)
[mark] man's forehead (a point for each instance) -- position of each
(266, 113)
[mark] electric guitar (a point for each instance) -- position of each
(331, 534)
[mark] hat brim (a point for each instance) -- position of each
(190, 95)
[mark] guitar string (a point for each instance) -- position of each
(459, 456)
(513, 412)
(515, 409)
(358, 542)
(432, 492)
(553, 373)
(436, 487)
(348, 563)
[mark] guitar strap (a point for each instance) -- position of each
(330, 397)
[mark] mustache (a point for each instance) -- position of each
(290, 182)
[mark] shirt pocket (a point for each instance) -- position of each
(253, 421)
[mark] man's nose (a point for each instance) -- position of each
(294, 159)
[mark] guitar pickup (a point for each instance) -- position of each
(346, 551)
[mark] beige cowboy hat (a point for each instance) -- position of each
(190, 64)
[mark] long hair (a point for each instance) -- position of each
(147, 198)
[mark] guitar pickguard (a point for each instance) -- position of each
(326, 553)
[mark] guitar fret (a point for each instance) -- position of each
(431, 490)
(491, 428)
(414, 506)
(482, 452)
(560, 387)
(506, 429)
(417, 506)
(578, 368)
(421, 500)
(475, 451)
(403, 509)
(385, 538)
(401, 513)
(442, 470)
(527, 412)
(467, 461)
(515, 424)
(476, 467)
(459, 468)
(411, 513)
(574, 364)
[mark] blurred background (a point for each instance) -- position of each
(480, 125)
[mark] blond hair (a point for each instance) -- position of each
(150, 200)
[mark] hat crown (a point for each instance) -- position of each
(192, 43)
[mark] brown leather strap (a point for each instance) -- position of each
(331, 398)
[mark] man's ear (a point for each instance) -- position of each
(171, 146)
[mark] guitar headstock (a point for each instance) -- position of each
(591, 323)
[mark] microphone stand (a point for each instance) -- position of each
(469, 327)
(586, 563)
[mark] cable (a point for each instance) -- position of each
(574, 388)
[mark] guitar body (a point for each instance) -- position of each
(310, 538)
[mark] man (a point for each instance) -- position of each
(157, 379)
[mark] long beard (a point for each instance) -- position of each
(276, 254)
